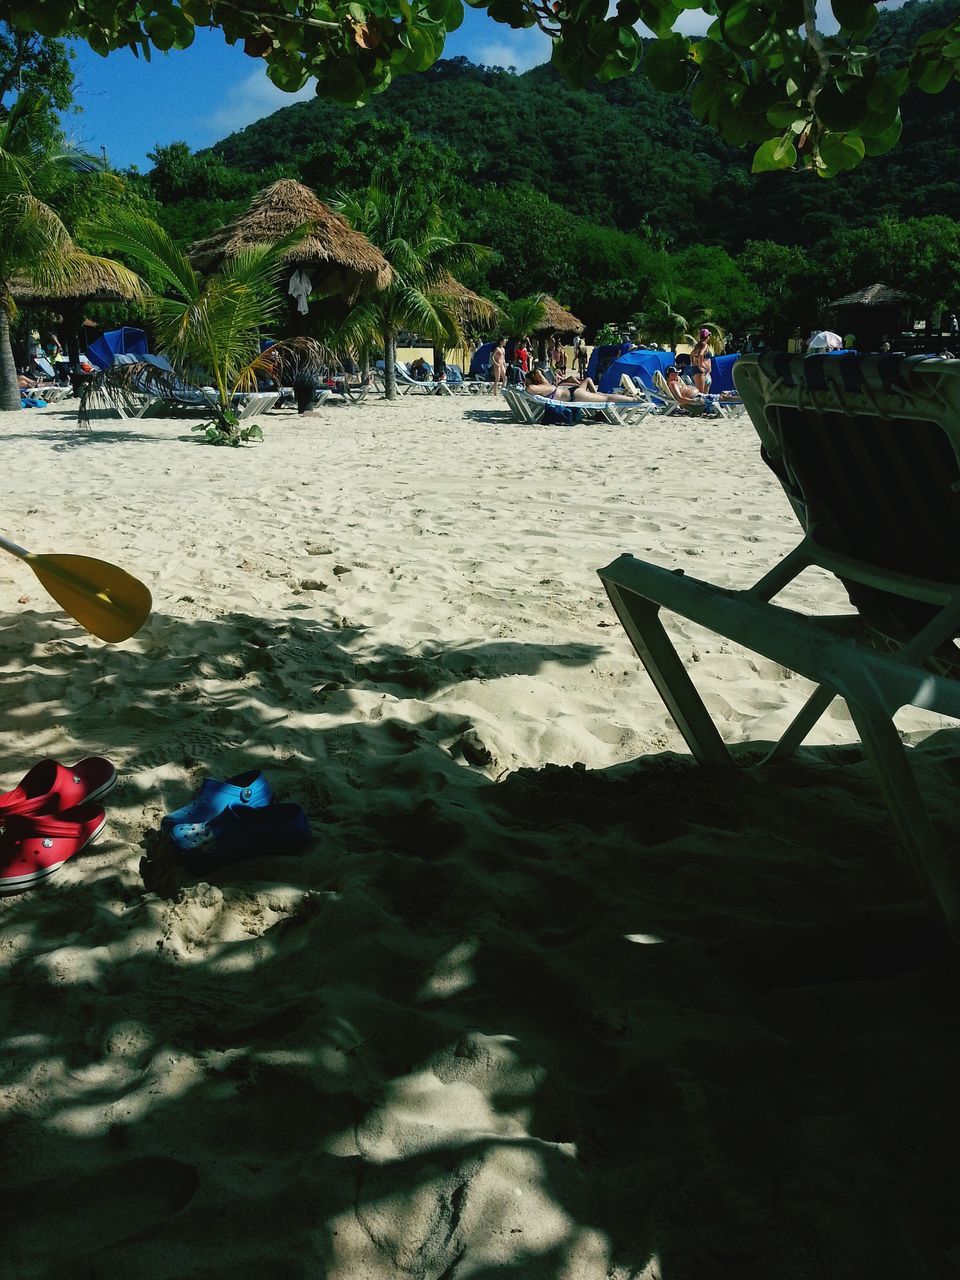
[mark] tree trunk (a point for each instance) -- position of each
(72, 319)
(439, 361)
(390, 363)
(9, 390)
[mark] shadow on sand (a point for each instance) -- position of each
(652, 1021)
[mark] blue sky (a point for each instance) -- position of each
(200, 94)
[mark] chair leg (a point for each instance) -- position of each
(641, 622)
(888, 759)
(801, 725)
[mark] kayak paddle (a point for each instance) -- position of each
(106, 600)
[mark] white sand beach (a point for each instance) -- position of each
(542, 999)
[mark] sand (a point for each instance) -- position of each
(542, 999)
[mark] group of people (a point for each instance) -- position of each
(515, 361)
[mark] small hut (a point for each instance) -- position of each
(556, 320)
(872, 315)
(95, 280)
(334, 257)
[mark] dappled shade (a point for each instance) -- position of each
(337, 257)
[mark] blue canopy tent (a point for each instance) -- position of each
(125, 341)
(480, 360)
(721, 373)
(640, 365)
(602, 357)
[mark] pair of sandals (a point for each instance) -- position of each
(231, 821)
(50, 815)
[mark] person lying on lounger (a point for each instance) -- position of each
(687, 395)
(572, 389)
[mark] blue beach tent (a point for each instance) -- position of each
(117, 342)
(721, 373)
(602, 357)
(480, 360)
(640, 365)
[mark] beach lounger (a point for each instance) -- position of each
(657, 403)
(688, 409)
(256, 402)
(527, 410)
(405, 381)
(867, 450)
(52, 393)
(530, 410)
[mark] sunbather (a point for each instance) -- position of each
(690, 396)
(572, 389)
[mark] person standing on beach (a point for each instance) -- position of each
(498, 365)
(701, 363)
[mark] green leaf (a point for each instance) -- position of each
(659, 15)
(854, 15)
(935, 76)
(880, 143)
(786, 114)
(744, 23)
(288, 75)
(774, 154)
(665, 63)
(842, 108)
(841, 150)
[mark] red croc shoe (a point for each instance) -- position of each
(33, 848)
(50, 787)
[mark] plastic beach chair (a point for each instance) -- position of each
(868, 452)
(527, 410)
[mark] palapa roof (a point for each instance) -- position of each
(332, 250)
(473, 309)
(558, 319)
(95, 279)
(875, 295)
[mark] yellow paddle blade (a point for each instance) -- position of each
(106, 600)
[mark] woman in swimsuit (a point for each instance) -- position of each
(701, 363)
(536, 385)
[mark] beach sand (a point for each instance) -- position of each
(542, 999)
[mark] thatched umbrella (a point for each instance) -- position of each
(556, 320)
(93, 281)
(336, 258)
(872, 314)
(474, 311)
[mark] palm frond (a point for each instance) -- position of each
(147, 243)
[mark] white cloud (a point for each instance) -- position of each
(251, 99)
(519, 49)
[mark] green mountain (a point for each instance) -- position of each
(625, 155)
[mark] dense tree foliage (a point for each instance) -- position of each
(764, 73)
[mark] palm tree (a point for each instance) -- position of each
(659, 322)
(525, 315)
(422, 255)
(209, 328)
(35, 246)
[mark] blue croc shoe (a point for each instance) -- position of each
(248, 790)
(239, 833)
